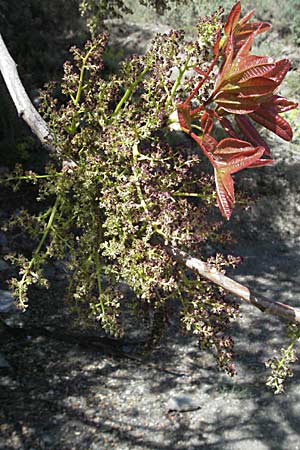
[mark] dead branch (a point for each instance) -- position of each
(211, 273)
(24, 106)
(22, 102)
(39, 127)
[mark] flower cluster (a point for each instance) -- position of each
(136, 184)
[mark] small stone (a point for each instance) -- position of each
(48, 440)
(3, 265)
(3, 240)
(4, 364)
(75, 402)
(6, 302)
(182, 403)
(90, 412)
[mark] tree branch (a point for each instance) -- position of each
(39, 127)
(211, 273)
(22, 102)
(24, 106)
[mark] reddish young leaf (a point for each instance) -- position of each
(280, 104)
(241, 30)
(280, 71)
(235, 103)
(252, 66)
(227, 126)
(184, 116)
(228, 157)
(242, 33)
(226, 65)
(268, 116)
(245, 19)
(254, 87)
(251, 133)
(206, 122)
(232, 19)
(225, 193)
(247, 82)
(274, 122)
(233, 161)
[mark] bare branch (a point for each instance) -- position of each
(39, 127)
(22, 102)
(211, 273)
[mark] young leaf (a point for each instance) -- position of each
(184, 116)
(251, 133)
(273, 121)
(247, 82)
(241, 30)
(228, 157)
(232, 19)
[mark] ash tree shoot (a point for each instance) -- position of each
(139, 197)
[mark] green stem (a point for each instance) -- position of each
(188, 194)
(290, 347)
(38, 248)
(48, 227)
(177, 81)
(80, 88)
(129, 91)
(82, 70)
(99, 284)
(136, 176)
(31, 177)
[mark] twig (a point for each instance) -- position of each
(211, 273)
(39, 127)
(22, 102)
(24, 106)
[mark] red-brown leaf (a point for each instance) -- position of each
(246, 157)
(235, 104)
(206, 123)
(257, 87)
(232, 18)
(230, 146)
(184, 116)
(280, 70)
(245, 19)
(246, 46)
(252, 66)
(253, 27)
(225, 193)
(227, 126)
(251, 133)
(274, 122)
(241, 30)
(226, 66)
(227, 157)
(280, 104)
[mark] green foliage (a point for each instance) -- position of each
(281, 367)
